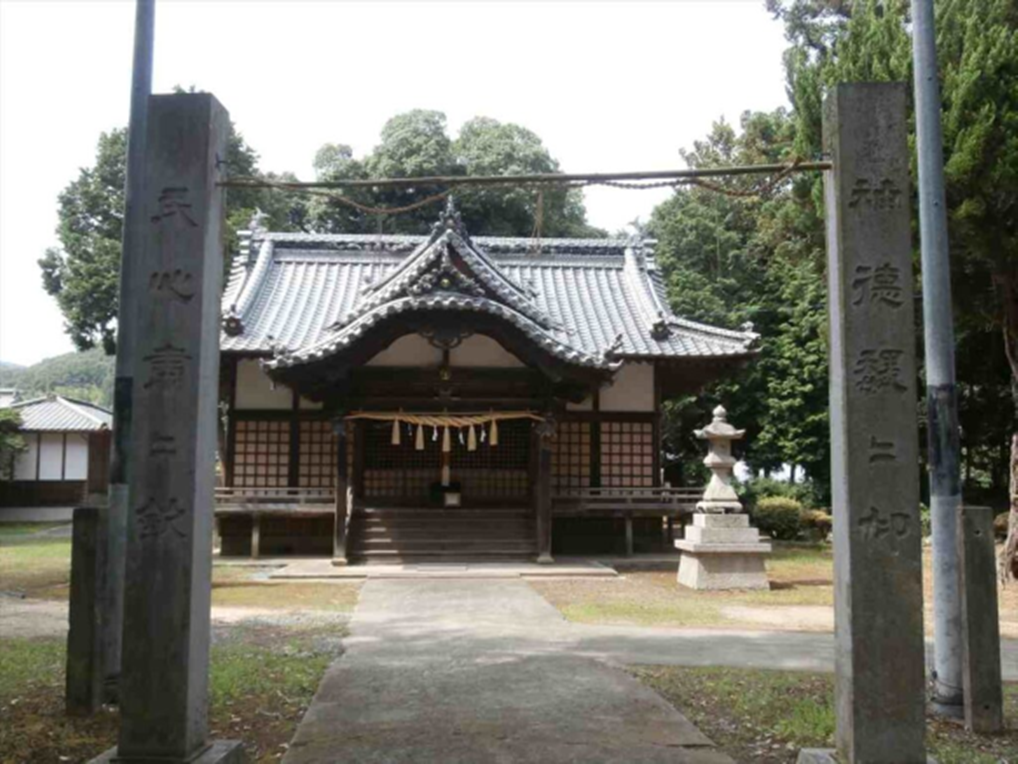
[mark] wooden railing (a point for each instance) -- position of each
(625, 501)
(296, 500)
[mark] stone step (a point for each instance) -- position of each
(438, 556)
(435, 541)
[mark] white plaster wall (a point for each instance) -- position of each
(24, 463)
(587, 404)
(76, 467)
(254, 389)
(481, 351)
(633, 389)
(310, 405)
(408, 350)
(51, 456)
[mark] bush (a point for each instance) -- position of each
(752, 491)
(1000, 525)
(818, 522)
(925, 520)
(778, 517)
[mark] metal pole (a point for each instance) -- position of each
(941, 394)
(115, 525)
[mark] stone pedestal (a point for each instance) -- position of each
(722, 552)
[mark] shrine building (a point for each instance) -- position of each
(448, 397)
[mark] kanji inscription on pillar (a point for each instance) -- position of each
(874, 434)
(176, 368)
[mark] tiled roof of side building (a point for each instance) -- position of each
(56, 413)
(297, 295)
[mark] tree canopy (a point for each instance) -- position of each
(83, 272)
(734, 259)
(417, 144)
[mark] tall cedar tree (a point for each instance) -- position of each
(731, 259)
(977, 43)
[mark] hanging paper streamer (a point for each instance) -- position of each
(395, 432)
(471, 439)
(494, 432)
(419, 442)
(446, 441)
(460, 433)
(434, 434)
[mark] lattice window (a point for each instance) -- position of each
(570, 455)
(627, 454)
(317, 462)
(262, 454)
(399, 471)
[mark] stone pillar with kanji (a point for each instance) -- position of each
(721, 550)
(165, 668)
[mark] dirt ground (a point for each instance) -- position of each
(801, 597)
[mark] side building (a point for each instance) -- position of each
(445, 396)
(66, 458)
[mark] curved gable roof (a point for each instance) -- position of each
(588, 301)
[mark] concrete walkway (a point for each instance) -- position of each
(481, 671)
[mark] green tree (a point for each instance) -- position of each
(11, 442)
(83, 272)
(977, 44)
(417, 144)
(729, 259)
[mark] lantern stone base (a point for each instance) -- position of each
(722, 552)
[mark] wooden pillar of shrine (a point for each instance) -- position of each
(543, 434)
(344, 502)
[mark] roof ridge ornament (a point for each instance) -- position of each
(450, 220)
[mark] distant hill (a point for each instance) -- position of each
(88, 376)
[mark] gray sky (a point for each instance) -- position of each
(607, 86)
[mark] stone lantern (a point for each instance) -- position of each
(721, 550)
(719, 497)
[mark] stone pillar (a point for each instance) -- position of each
(344, 502)
(984, 702)
(879, 655)
(164, 676)
(721, 551)
(85, 681)
(543, 433)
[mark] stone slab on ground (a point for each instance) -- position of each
(321, 569)
(467, 671)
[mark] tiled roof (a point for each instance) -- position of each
(588, 301)
(58, 414)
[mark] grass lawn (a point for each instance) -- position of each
(40, 567)
(262, 679)
(801, 597)
(767, 716)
